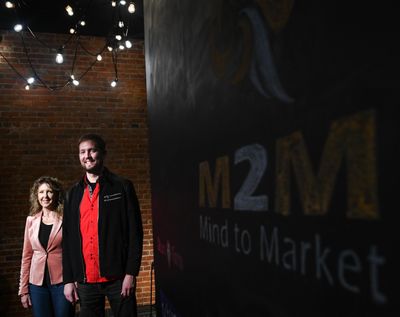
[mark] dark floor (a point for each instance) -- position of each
(143, 311)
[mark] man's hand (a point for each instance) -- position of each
(26, 301)
(128, 285)
(70, 293)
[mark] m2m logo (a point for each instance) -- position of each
(350, 140)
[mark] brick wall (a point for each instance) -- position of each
(39, 129)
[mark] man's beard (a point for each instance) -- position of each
(97, 169)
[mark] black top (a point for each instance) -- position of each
(92, 186)
(44, 234)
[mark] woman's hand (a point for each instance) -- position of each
(26, 301)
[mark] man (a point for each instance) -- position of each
(102, 236)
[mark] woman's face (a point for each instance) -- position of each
(46, 196)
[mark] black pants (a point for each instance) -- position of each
(92, 300)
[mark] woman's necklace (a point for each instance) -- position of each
(48, 217)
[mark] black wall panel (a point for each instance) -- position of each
(274, 147)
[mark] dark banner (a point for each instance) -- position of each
(274, 146)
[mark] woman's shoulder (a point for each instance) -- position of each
(31, 218)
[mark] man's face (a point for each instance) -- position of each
(91, 157)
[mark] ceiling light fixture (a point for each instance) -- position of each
(18, 27)
(69, 10)
(9, 4)
(128, 44)
(131, 8)
(59, 58)
(116, 41)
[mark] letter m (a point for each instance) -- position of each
(210, 187)
(351, 141)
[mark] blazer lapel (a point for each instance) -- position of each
(54, 230)
(35, 229)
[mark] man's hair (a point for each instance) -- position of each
(97, 139)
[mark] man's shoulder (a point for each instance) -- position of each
(112, 177)
(77, 186)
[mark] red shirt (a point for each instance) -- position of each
(89, 211)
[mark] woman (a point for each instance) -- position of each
(41, 266)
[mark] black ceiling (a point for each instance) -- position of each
(49, 16)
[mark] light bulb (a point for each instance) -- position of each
(114, 3)
(122, 2)
(59, 58)
(121, 47)
(75, 82)
(72, 30)
(27, 87)
(118, 37)
(99, 58)
(18, 27)
(9, 5)
(110, 48)
(131, 8)
(30, 80)
(128, 44)
(121, 24)
(83, 23)
(72, 77)
(69, 10)
(113, 83)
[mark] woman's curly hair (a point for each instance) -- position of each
(58, 197)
